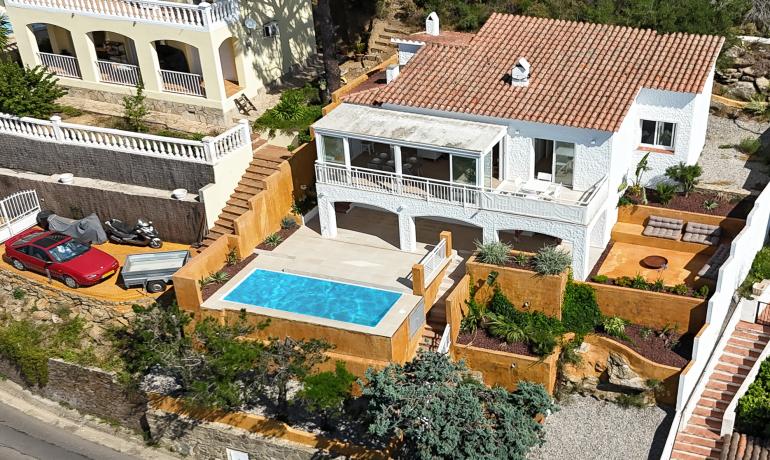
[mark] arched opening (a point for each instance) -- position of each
(229, 68)
(180, 67)
(55, 49)
(116, 59)
(464, 235)
(526, 241)
(364, 224)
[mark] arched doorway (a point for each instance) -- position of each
(180, 67)
(464, 234)
(55, 49)
(227, 59)
(116, 59)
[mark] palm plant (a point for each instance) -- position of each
(505, 328)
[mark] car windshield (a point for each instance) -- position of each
(67, 251)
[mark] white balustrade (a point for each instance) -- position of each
(565, 209)
(202, 16)
(209, 151)
(433, 261)
(61, 65)
(182, 83)
(118, 73)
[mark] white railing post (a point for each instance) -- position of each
(205, 10)
(56, 126)
(245, 131)
(209, 149)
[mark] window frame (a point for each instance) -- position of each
(659, 126)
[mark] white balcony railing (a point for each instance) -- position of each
(203, 16)
(118, 74)
(182, 83)
(61, 65)
(208, 151)
(433, 261)
(577, 211)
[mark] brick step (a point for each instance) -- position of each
(750, 335)
(746, 344)
(702, 432)
(755, 327)
(717, 395)
(678, 455)
(728, 378)
(705, 442)
(736, 360)
(238, 203)
(384, 44)
(705, 411)
(713, 404)
(733, 369)
(704, 422)
(695, 449)
(722, 386)
(245, 189)
(742, 351)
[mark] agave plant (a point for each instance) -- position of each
(496, 253)
(552, 260)
(505, 328)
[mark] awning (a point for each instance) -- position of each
(410, 130)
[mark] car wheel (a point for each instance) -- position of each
(18, 265)
(70, 282)
(156, 243)
(155, 286)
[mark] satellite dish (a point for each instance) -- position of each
(250, 23)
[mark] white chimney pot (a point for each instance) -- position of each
(520, 73)
(391, 73)
(432, 24)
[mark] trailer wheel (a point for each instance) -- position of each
(155, 286)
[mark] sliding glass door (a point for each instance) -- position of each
(554, 161)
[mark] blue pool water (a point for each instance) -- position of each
(314, 297)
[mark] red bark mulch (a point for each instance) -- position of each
(482, 339)
(654, 347)
(209, 289)
(729, 205)
(284, 233)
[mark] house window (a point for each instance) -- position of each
(334, 150)
(270, 29)
(658, 133)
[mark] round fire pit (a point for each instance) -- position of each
(656, 262)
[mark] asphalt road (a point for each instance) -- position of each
(23, 438)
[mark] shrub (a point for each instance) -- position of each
(28, 92)
(645, 333)
(624, 201)
(753, 412)
(615, 327)
(539, 331)
(685, 175)
(288, 222)
(296, 110)
(505, 328)
(551, 260)
(756, 106)
(680, 289)
(638, 282)
(703, 291)
(665, 192)
(326, 392)
(657, 286)
(580, 312)
(710, 205)
(600, 279)
(18, 293)
(500, 305)
(438, 411)
(760, 269)
(495, 253)
(623, 281)
(215, 278)
(521, 259)
(630, 400)
(135, 111)
(232, 257)
(273, 240)
(750, 145)
(473, 317)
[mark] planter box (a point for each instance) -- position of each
(543, 292)
(651, 309)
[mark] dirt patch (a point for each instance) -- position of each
(657, 347)
(727, 205)
(283, 234)
(231, 270)
(482, 339)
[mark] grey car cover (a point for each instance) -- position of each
(86, 230)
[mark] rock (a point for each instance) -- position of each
(620, 373)
(733, 52)
(742, 61)
(763, 84)
(599, 367)
(55, 319)
(750, 71)
(42, 303)
(742, 90)
(41, 315)
(96, 333)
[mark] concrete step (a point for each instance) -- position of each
(235, 210)
(226, 215)
(705, 442)
(255, 184)
(238, 203)
(702, 432)
(706, 422)
(228, 224)
(695, 449)
(242, 196)
(247, 190)
(745, 343)
(220, 230)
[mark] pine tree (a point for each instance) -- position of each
(135, 111)
(28, 92)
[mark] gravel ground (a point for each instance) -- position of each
(586, 428)
(727, 169)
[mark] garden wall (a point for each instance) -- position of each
(543, 293)
(651, 309)
(205, 434)
(638, 214)
(356, 82)
(89, 390)
(456, 306)
(595, 362)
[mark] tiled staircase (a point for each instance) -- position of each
(701, 437)
(265, 162)
(436, 321)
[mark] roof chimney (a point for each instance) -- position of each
(391, 73)
(432, 25)
(520, 73)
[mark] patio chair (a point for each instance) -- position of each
(544, 176)
(695, 232)
(711, 269)
(663, 227)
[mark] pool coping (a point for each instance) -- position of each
(390, 322)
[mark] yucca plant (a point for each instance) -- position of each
(505, 328)
(551, 260)
(666, 192)
(496, 253)
(273, 240)
(615, 327)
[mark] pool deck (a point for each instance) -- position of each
(355, 258)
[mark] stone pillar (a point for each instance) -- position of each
(489, 235)
(407, 233)
(327, 217)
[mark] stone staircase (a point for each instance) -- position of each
(436, 321)
(701, 437)
(382, 32)
(264, 163)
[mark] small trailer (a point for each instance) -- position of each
(152, 271)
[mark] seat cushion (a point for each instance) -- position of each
(711, 269)
(700, 238)
(660, 232)
(665, 222)
(703, 229)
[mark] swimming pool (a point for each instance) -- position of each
(350, 303)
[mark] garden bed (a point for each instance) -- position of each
(727, 205)
(280, 236)
(115, 122)
(482, 339)
(209, 289)
(655, 347)
(641, 284)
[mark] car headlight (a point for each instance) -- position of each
(92, 276)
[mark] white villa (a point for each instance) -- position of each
(192, 56)
(529, 126)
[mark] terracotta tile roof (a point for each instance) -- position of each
(583, 75)
(445, 37)
(742, 447)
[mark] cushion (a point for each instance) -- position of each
(696, 232)
(660, 232)
(665, 222)
(711, 269)
(700, 238)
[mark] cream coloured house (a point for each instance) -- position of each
(193, 58)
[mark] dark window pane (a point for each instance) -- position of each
(666, 135)
(648, 132)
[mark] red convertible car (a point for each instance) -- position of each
(76, 264)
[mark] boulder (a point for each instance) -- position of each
(742, 61)
(750, 71)
(620, 373)
(742, 90)
(763, 84)
(41, 315)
